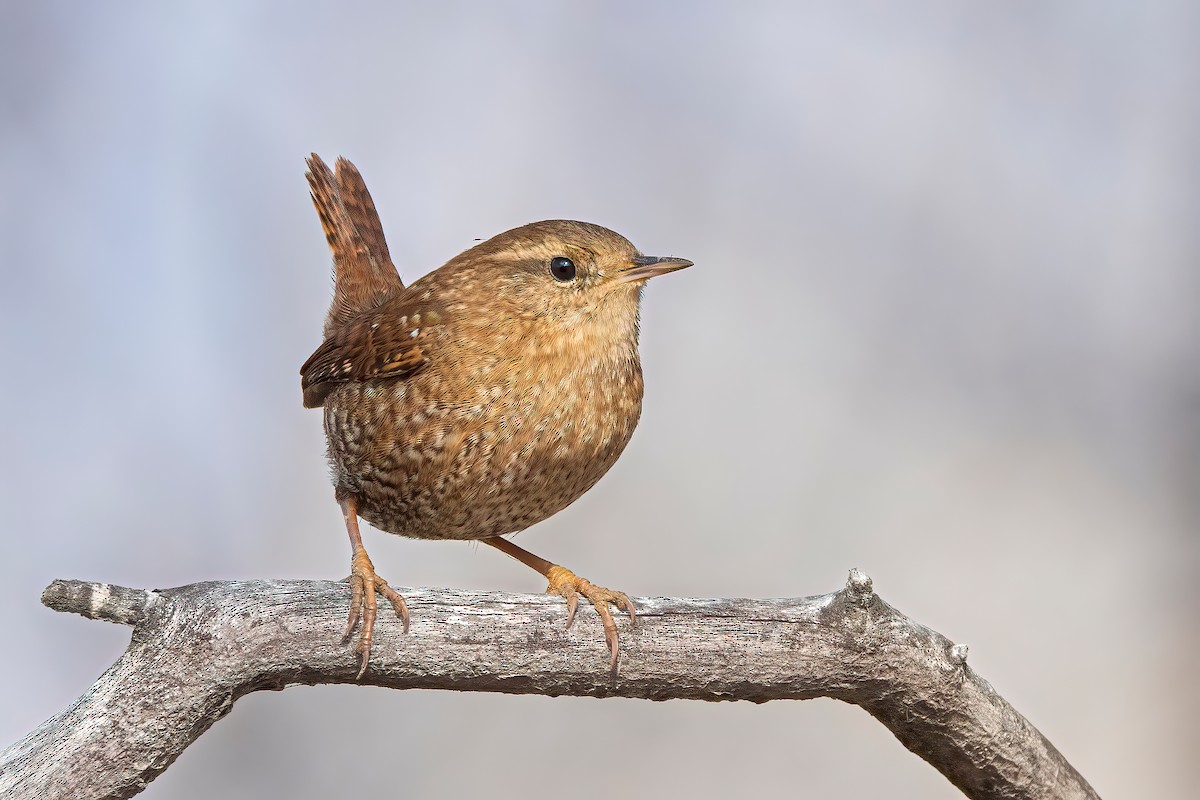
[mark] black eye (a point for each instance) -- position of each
(562, 268)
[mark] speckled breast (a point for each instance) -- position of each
(493, 461)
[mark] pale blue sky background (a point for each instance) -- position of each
(942, 327)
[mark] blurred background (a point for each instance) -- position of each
(942, 327)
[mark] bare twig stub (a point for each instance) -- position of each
(198, 648)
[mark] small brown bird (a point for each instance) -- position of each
(483, 398)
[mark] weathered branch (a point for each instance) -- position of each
(196, 649)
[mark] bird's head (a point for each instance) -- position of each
(559, 272)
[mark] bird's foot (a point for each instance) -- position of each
(570, 586)
(364, 583)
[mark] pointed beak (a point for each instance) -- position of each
(645, 267)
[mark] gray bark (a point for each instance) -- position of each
(196, 649)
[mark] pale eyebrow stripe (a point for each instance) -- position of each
(518, 253)
(540, 251)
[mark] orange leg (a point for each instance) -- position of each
(364, 583)
(568, 585)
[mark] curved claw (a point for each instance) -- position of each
(356, 599)
(632, 613)
(610, 632)
(572, 598)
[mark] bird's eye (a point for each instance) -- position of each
(562, 268)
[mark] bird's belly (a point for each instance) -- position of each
(437, 470)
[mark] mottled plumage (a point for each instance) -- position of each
(486, 396)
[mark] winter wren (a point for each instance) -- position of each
(483, 398)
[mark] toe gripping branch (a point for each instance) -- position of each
(364, 583)
(570, 586)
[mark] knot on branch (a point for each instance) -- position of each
(859, 588)
(856, 607)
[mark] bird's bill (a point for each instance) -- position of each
(646, 267)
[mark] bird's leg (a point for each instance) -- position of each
(568, 585)
(364, 583)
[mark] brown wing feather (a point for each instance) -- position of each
(363, 274)
(388, 342)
